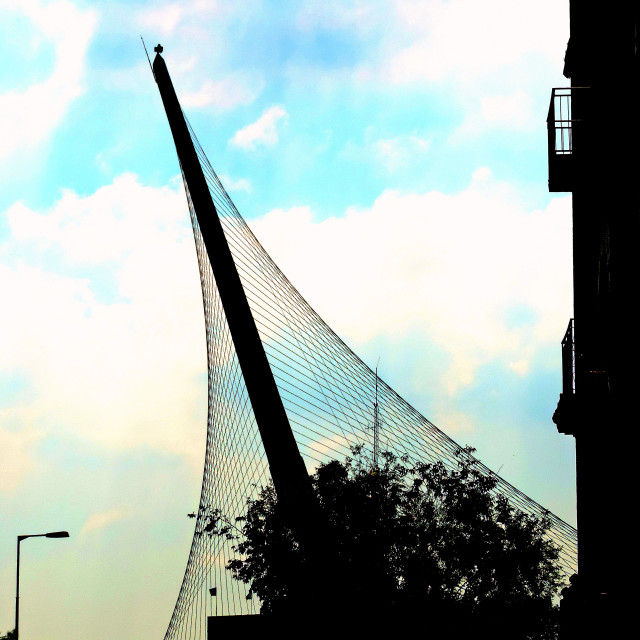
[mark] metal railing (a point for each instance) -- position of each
(569, 360)
(560, 121)
(568, 113)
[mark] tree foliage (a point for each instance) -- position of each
(429, 542)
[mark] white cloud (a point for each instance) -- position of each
(164, 18)
(28, 117)
(514, 112)
(469, 45)
(521, 367)
(103, 227)
(237, 89)
(241, 184)
(326, 446)
(99, 521)
(456, 423)
(168, 16)
(262, 131)
(447, 267)
(17, 453)
(468, 39)
(399, 152)
(115, 355)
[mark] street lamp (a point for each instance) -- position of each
(52, 534)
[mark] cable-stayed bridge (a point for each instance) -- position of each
(331, 399)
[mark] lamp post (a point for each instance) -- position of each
(52, 534)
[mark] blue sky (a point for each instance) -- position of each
(391, 158)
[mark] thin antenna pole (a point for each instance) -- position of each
(376, 425)
(148, 58)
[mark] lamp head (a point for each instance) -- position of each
(57, 534)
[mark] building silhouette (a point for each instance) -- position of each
(593, 136)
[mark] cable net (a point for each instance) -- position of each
(329, 396)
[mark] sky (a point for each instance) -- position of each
(390, 156)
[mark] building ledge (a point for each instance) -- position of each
(576, 413)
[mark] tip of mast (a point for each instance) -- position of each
(159, 49)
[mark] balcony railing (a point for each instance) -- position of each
(560, 118)
(569, 360)
(561, 123)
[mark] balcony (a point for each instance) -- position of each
(560, 140)
(565, 415)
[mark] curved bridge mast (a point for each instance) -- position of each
(287, 468)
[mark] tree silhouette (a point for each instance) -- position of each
(432, 546)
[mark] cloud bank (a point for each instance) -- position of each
(261, 132)
(475, 272)
(103, 323)
(29, 116)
